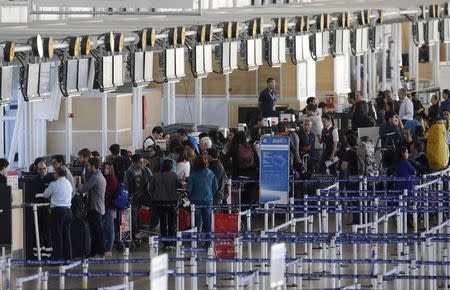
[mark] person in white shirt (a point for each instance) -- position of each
(329, 139)
(183, 168)
(406, 111)
(60, 194)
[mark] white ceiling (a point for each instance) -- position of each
(129, 23)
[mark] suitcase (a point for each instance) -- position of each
(184, 219)
(81, 238)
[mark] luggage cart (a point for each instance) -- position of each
(124, 234)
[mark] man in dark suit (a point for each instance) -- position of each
(267, 100)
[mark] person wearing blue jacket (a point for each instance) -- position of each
(202, 184)
(404, 169)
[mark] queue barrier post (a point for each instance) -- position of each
(210, 269)
(62, 271)
(126, 265)
(85, 269)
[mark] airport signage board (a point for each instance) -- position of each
(274, 169)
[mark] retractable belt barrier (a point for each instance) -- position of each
(421, 257)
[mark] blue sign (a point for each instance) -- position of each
(274, 169)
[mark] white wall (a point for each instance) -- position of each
(214, 110)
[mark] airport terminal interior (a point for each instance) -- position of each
(225, 144)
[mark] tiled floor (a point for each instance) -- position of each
(222, 283)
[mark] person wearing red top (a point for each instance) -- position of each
(108, 218)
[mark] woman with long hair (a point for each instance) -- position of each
(108, 218)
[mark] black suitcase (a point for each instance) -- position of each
(81, 238)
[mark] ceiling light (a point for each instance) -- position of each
(86, 45)
(151, 37)
(235, 30)
(8, 51)
(142, 44)
(48, 47)
(277, 29)
(74, 46)
(119, 41)
(181, 35)
(109, 41)
(36, 46)
(227, 30)
(201, 33)
(173, 36)
(209, 32)
(260, 25)
(252, 28)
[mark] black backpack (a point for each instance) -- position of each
(78, 207)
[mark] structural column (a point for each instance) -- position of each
(436, 60)
(413, 59)
(172, 108)
(137, 117)
(2, 133)
(198, 102)
(69, 128)
(104, 150)
(365, 77)
(358, 72)
(383, 59)
(227, 98)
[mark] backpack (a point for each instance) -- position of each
(366, 158)
(245, 156)
(120, 199)
(78, 207)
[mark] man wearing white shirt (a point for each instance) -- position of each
(60, 194)
(406, 111)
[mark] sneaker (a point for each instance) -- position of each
(108, 255)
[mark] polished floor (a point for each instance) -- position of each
(225, 282)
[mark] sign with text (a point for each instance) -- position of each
(277, 265)
(274, 169)
(159, 272)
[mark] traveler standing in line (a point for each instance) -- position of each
(155, 154)
(43, 180)
(3, 168)
(183, 167)
(380, 107)
(115, 153)
(137, 180)
(406, 111)
(202, 184)
(163, 193)
(445, 105)
(60, 194)
(329, 139)
(83, 157)
(122, 164)
(219, 197)
(58, 162)
(108, 218)
(95, 188)
(433, 110)
(268, 99)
